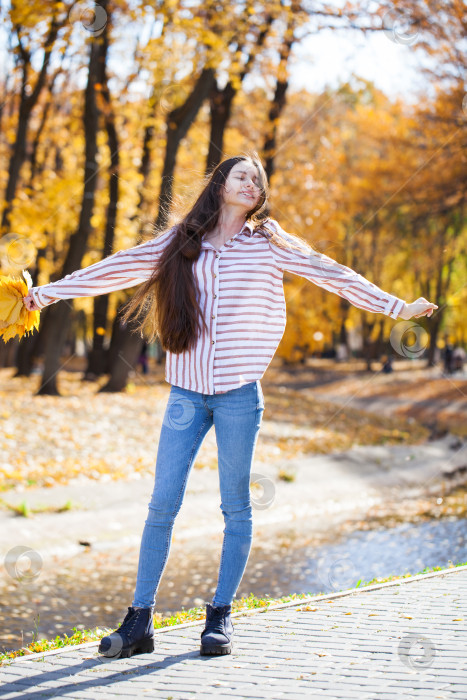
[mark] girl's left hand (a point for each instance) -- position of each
(420, 307)
(29, 303)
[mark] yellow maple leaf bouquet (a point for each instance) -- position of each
(15, 318)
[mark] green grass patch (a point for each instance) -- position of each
(286, 475)
(25, 511)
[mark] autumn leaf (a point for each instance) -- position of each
(15, 318)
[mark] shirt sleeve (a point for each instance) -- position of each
(331, 275)
(121, 270)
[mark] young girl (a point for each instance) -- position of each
(213, 293)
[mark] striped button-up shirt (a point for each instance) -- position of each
(241, 295)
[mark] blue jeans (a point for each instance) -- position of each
(236, 415)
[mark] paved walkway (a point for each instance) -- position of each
(404, 639)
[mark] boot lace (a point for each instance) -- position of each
(130, 614)
(216, 623)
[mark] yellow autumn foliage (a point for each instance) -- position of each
(15, 318)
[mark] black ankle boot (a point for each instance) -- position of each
(216, 638)
(134, 636)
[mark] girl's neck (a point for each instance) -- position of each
(228, 225)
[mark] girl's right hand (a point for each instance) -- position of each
(420, 307)
(29, 303)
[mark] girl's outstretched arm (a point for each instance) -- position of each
(121, 270)
(342, 280)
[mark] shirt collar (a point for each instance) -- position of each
(248, 228)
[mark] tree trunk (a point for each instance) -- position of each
(221, 108)
(179, 121)
(278, 102)
(221, 100)
(8, 352)
(34, 345)
(145, 164)
(43, 121)
(343, 335)
(270, 142)
(98, 361)
(366, 335)
(60, 320)
(159, 352)
(27, 103)
(154, 98)
(433, 331)
(60, 312)
(442, 285)
(124, 351)
(380, 344)
(25, 355)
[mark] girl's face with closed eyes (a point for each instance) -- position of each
(242, 186)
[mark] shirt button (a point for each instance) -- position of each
(214, 275)
(217, 256)
(212, 342)
(215, 296)
(213, 317)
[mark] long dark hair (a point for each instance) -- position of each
(167, 304)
